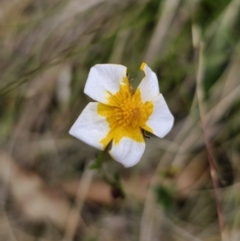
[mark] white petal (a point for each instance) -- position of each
(104, 79)
(149, 87)
(90, 127)
(127, 151)
(161, 120)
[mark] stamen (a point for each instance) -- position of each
(130, 112)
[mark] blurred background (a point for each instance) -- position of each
(185, 186)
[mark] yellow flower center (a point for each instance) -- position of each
(126, 114)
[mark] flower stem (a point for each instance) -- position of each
(100, 159)
(115, 181)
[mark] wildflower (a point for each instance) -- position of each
(121, 115)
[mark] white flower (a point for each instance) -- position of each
(120, 114)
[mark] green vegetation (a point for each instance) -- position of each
(48, 191)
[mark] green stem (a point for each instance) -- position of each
(100, 159)
(114, 181)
